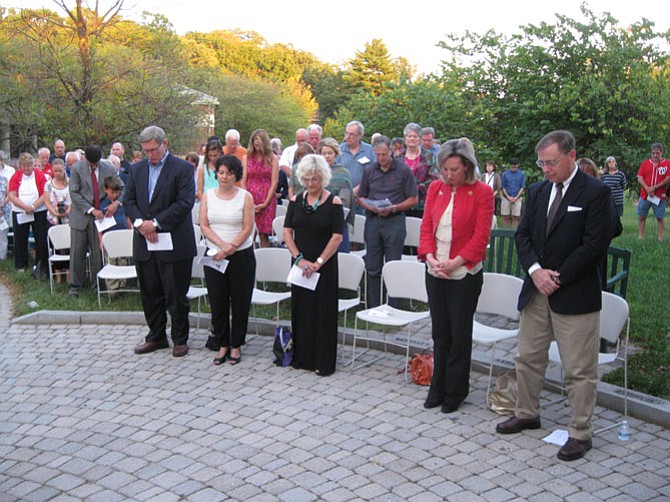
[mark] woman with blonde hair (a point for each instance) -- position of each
(260, 177)
(617, 182)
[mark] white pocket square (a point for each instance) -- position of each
(572, 209)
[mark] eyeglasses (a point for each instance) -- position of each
(549, 163)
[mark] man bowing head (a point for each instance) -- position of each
(158, 200)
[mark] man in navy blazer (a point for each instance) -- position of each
(561, 240)
(158, 200)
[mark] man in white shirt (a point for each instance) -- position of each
(287, 156)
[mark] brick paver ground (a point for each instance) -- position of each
(83, 418)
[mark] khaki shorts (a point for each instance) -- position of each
(507, 207)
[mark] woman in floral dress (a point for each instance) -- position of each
(260, 177)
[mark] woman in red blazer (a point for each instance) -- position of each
(454, 234)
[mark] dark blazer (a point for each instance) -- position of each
(170, 205)
(575, 246)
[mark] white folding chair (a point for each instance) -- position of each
(402, 279)
(197, 289)
(413, 225)
(499, 296)
(272, 266)
(278, 229)
(117, 244)
(350, 272)
(195, 213)
(281, 210)
(58, 240)
(197, 233)
(615, 314)
(358, 235)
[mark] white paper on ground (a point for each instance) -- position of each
(105, 223)
(295, 277)
(559, 437)
(219, 266)
(164, 243)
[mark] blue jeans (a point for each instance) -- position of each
(384, 240)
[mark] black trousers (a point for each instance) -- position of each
(163, 286)
(232, 289)
(40, 227)
(452, 310)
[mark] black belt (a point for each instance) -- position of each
(370, 214)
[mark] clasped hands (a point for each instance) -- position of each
(443, 269)
(308, 267)
(546, 281)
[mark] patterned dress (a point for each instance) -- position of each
(259, 181)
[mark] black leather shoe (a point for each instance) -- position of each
(448, 407)
(514, 425)
(433, 402)
(574, 449)
(145, 348)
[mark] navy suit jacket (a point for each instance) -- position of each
(170, 205)
(576, 243)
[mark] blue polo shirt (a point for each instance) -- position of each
(513, 182)
(356, 164)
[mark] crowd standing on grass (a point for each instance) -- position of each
(327, 183)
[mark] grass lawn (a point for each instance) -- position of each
(648, 297)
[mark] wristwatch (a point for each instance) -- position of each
(319, 260)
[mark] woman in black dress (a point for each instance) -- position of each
(313, 232)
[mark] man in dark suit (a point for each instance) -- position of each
(561, 241)
(87, 179)
(158, 201)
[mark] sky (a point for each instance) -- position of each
(334, 32)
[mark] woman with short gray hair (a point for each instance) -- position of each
(313, 232)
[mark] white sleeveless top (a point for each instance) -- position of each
(226, 217)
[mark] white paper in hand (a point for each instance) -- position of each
(295, 277)
(164, 243)
(22, 218)
(105, 223)
(218, 265)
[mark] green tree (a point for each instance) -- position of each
(371, 69)
(65, 77)
(605, 83)
(329, 87)
(427, 101)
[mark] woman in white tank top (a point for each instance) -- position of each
(227, 222)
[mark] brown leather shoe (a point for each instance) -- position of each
(574, 449)
(515, 424)
(145, 348)
(180, 350)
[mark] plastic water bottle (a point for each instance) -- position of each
(624, 431)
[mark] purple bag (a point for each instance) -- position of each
(283, 346)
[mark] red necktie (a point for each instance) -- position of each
(96, 190)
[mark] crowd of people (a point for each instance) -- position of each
(327, 183)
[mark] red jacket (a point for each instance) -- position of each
(40, 181)
(471, 225)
